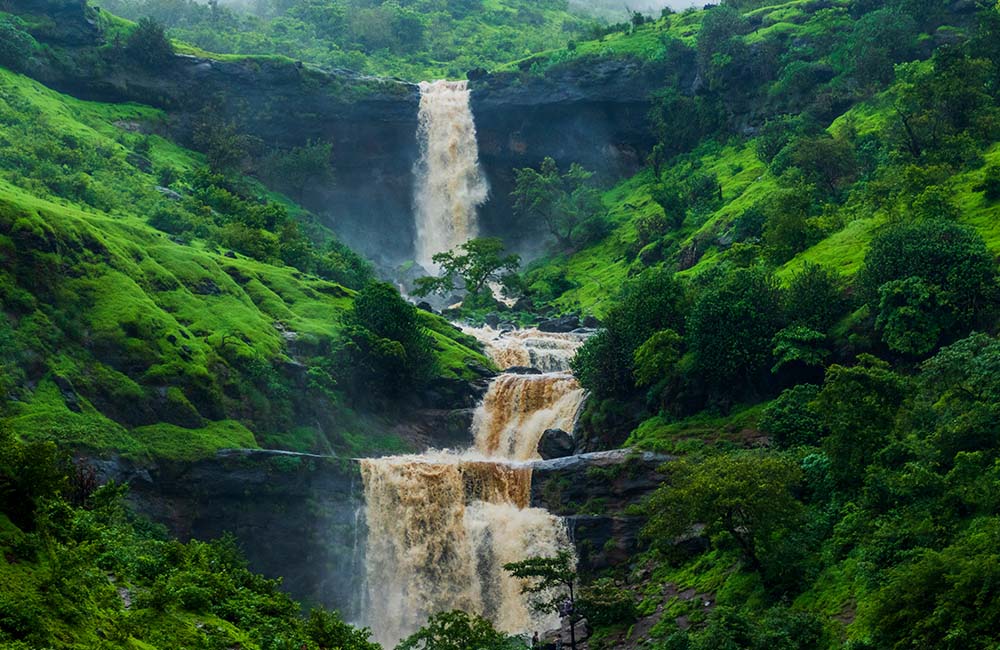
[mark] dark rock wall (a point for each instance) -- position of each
(588, 111)
(593, 112)
(297, 517)
(593, 492)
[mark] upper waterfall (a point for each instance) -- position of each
(449, 182)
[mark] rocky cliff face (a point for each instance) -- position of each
(588, 111)
(300, 517)
(594, 493)
(593, 112)
(296, 516)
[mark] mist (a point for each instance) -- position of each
(620, 8)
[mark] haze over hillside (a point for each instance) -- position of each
(685, 324)
(619, 8)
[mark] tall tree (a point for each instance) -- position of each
(568, 204)
(476, 263)
(552, 585)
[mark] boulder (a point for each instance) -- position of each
(522, 370)
(559, 325)
(556, 443)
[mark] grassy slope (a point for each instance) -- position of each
(745, 180)
(141, 317)
(600, 269)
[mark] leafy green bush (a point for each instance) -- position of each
(950, 260)
(745, 499)
(16, 44)
(384, 350)
(814, 298)
(791, 420)
(604, 603)
(458, 631)
(147, 44)
(730, 330)
(648, 303)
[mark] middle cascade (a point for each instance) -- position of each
(441, 525)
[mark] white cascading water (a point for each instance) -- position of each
(441, 525)
(449, 182)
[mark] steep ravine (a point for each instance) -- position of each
(592, 112)
(300, 517)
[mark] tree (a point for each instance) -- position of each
(458, 630)
(673, 206)
(744, 497)
(788, 229)
(814, 298)
(654, 359)
(941, 598)
(476, 263)
(909, 316)
(648, 303)
(16, 44)
(952, 264)
(799, 348)
(329, 631)
(568, 204)
(731, 327)
(791, 420)
(604, 603)
(383, 349)
(293, 171)
(147, 44)
(859, 405)
(224, 146)
(552, 584)
(936, 107)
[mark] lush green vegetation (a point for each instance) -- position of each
(799, 295)
(152, 306)
(808, 267)
(415, 39)
(77, 570)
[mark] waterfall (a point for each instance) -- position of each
(449, 183)
(441, 525)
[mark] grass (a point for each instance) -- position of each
(693, 434)
(172, 348)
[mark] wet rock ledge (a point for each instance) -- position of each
(594, 492)
(296, 516)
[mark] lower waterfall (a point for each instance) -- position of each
(441, 525)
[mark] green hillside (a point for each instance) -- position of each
(121, 336)
(427, 39)
(795, 290)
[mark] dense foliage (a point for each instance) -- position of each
(152, 305)
(822, 205)
(414, 39)
(78, 570)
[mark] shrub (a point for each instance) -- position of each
(990, 186)
(16, 45)
(791, 419)
(148, 44)
(814, 298)
(950, 258)
(730, 330)
(604, 603)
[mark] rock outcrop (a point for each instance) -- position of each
(296, 516)
(593, 492)
(593, 111)
(556, 443)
